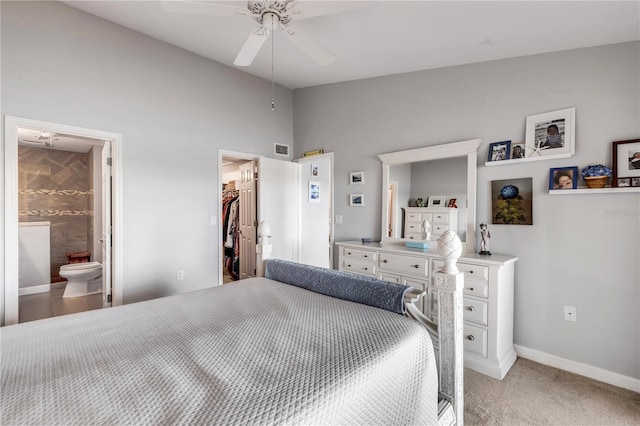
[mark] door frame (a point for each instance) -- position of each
(9, 285)
(241, 156)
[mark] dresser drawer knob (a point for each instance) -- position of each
(471, 337)
(349, 253)
(349, 266)
(384, 261)
(471, 289)
(471, 271)
(416, 266)
(366, 269)
(366, 255)
(472, 308)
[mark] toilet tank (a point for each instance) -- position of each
(34, 254)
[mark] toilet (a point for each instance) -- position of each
(82, 278)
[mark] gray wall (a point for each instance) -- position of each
(582, 250)
(174, 110)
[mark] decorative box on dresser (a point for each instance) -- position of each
(488, 294)
(440, 219)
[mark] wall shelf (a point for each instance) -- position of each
(585, 190)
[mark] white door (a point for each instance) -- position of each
(106, 224)
(316, 212)
(247, 220)
(278, 205)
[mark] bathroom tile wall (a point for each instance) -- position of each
(55, 186)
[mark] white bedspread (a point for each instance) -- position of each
(253, 352)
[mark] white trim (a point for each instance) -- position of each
(11, 124)
(586, 370)
(34, 289)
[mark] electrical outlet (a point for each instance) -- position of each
(180, 275)
(338, 219)
(570, 313)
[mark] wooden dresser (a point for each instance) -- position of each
(488, 294)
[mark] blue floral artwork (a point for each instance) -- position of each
(512, 201)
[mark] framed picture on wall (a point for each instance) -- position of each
(356, 178)
(356, 200)
(563, 178)
(626, 162)
(315, 170)
(512, 201)
(499, 151)
(551, 134)
(314, 192)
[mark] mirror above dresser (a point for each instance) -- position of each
(441, 170)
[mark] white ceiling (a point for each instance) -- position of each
(388, 37)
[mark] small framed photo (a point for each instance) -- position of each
(452, 203)
(623, 182)
(626, 161)
(356, 200)
(635, 182)
(551, 134)
(517, 151)
(314, 192)
(499, 151)
(356, 178)
(315, 170)
(563, 178)
(436, 201)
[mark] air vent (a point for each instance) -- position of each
(280, 149)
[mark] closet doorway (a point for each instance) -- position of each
(238, 218)
(294, 197)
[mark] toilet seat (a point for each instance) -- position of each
(80, 266)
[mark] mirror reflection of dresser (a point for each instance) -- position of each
(428, 223)
(489, 280)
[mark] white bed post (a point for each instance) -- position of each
(263, 248)
(448, 284)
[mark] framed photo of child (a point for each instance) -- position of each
(551, 134)
(499, 151)
(563, 178)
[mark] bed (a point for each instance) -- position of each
(302, 346)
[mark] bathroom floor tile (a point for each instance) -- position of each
(51, 304)
(34, 307)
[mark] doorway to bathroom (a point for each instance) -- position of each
(62, 206)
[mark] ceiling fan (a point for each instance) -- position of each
(271, 15)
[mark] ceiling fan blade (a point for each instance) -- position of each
(309, 45)
(202, 8)
(309, 9)
(251, 46)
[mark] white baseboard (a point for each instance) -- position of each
(586, 370)
(34, 289)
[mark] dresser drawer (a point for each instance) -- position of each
(440, 218)
(410, 227)
(475, 311)
(476, 288)
(359, 268)
(413, 217)
(475, 340)
(405, 264)
(438, 229)
(353, 255)
(471, 272)
(413, 236)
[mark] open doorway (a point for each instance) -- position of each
(238, 215)
(62, 204)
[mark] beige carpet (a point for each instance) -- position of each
(534, 394)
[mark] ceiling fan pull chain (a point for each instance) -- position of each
(273, 102)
